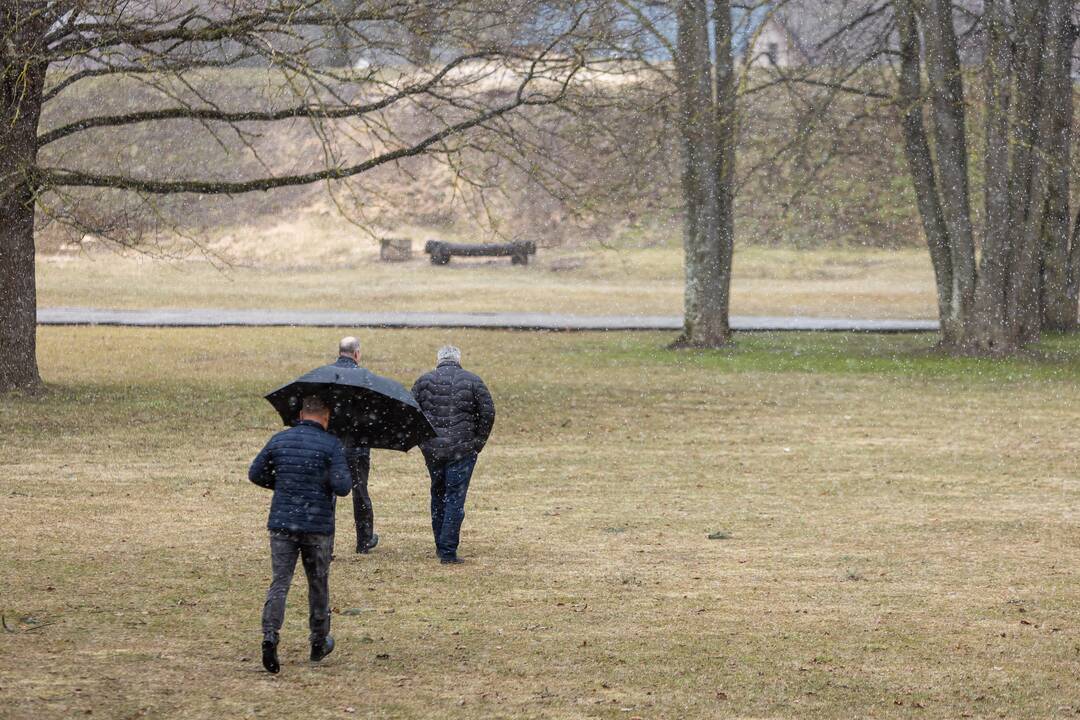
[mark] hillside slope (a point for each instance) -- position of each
(828, 175)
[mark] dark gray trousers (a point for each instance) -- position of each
(360, 467)
(315, 552)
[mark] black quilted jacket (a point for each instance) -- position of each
(460, 409)
(306, 468)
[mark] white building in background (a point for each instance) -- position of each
(764, 39)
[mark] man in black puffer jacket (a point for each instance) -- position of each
(305, 467)
(462, 412)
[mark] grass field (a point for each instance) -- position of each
(834, 283)
(901, 534)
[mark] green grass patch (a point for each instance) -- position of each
(915, 355)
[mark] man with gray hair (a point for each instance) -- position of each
(460, 409)
(359, 459)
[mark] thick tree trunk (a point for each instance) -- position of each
(1059, 301)
(1025, 248)
(21, 83)
(18, 298)
(989, 333)
(706, 317)
(1030, 172)
(1029, 42)
(1073, 280)
(921, 167)
(947, 103)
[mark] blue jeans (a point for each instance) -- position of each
(449, 485)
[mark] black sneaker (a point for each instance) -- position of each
(371, 544)
(270, 659)
(455, 560)
(322, 649)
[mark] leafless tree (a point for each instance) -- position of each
(1024, 277)
(714, 68)
(492, 59)
(705, 80)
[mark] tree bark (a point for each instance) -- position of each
(21, 84)
(989, 334)
(921, 167)
(947, 103)
(1030, 171)
(1028, 270)
(724, 64)
(708, 208)
(1059, 300)
(1073, 277)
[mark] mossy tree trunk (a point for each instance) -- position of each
(704, 75)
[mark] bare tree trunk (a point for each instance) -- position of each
(1029, 268)
(725, 157)
(1073, 279)
(1030, 171)
(989, 334)
(1059, 301)
(706, 321)
(947, 98)
(921, 167)
(21, 84)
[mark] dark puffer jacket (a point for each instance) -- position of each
(305, 467)
(460, 409)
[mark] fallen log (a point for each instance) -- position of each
(441, 251)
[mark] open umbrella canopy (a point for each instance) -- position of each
(372, 410)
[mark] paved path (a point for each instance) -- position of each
(495, 321)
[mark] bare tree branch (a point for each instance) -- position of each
(55, 177)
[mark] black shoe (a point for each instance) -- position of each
(455, 560)
(322, 649)
(371, 544)
(270, 659)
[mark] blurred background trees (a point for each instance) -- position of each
(151, 124)
(340, 76)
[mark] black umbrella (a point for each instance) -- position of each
(373, 411)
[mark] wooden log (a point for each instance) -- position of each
(395, 249)
(441, 252)
(438, 251)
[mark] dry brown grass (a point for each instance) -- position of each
(342, 274)
(903, 531)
